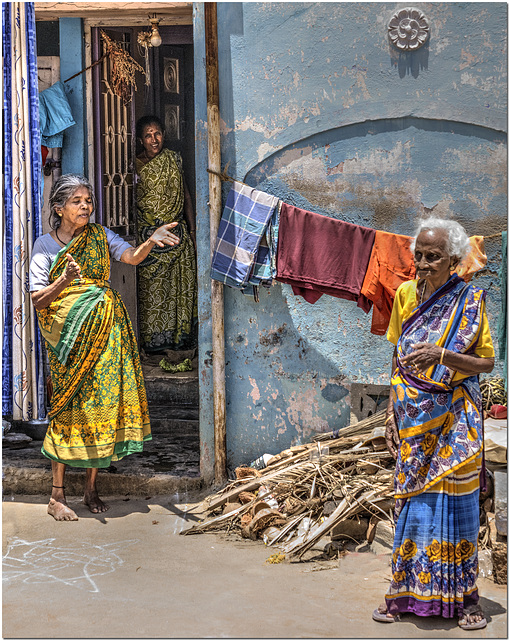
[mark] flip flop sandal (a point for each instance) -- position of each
(470, 626)
(383, 617)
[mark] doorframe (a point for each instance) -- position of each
(206, 409)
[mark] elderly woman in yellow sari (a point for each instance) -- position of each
(434, 430)
(99, 409)
(167, 288)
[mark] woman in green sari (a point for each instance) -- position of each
(99, 410)
(167, 289)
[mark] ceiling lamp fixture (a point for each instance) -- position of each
(155, 36)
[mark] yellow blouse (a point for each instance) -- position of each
(405, 302)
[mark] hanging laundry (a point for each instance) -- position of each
(55, 115)
(474, 261)
(239, 260)
(392, 263)
(317, 254)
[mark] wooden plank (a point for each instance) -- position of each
(123, 13)
(215, 204)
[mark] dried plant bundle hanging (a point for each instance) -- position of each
(123, 68)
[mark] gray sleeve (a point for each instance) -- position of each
(40, 265)
(116, 244)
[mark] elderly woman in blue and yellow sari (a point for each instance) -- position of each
(99, 409)
(434, 430)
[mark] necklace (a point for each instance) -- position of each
(58, 238)
(422, 292)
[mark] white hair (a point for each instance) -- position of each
(458, 244)
(63, 189)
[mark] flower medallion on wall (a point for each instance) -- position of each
(408, 29)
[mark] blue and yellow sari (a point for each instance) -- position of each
(99, 410)
(437, 476)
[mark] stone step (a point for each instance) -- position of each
(177, 391)
(174, 427)
(183, 413)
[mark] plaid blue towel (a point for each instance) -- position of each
(249, 216)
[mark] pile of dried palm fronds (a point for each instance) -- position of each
(305, 491)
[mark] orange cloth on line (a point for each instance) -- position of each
(392, 263)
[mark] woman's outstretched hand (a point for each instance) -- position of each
(391, 435)
(163, 235)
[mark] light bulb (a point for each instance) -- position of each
(155, 38)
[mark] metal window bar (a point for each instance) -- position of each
(117, 152)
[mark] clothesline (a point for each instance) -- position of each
(226, 178)
(86, 68)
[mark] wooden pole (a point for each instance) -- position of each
(217, 295)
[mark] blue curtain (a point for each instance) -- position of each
(7, 248)
(22, 370)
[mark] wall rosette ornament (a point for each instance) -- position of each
(408, 29)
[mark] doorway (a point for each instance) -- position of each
(173, 395)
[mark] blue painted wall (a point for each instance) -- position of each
(318, 109)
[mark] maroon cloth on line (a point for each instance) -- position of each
(317, 254)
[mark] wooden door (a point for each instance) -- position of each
(170, 95)
(114, 144)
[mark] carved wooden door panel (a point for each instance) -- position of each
(171, 95)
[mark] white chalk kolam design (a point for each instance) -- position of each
(408, 29)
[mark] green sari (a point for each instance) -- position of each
(167, 289)
(99, 410)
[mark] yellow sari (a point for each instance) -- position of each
(99, 410)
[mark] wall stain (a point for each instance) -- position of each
(274, 338)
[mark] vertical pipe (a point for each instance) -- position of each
(214, 161)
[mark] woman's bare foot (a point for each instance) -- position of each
(94, 503)
(60, 510)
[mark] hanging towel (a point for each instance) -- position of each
(392, 263)
(54, 115)
(317, 254)
(239, 260)
(474, 261)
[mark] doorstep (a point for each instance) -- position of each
(162, 468)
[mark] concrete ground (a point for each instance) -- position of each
(129, 574)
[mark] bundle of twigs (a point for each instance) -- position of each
(362, 427)
(353, 472)
(493, 391)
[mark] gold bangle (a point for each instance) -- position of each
(389, 418)
(442, 356)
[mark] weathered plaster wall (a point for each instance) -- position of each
(317, 109)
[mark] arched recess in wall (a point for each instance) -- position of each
(384, 173)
